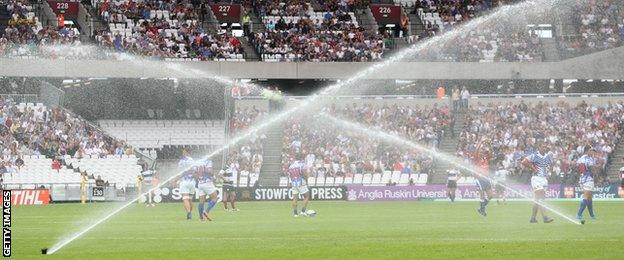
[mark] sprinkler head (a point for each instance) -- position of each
(583, 222)
(44, 251)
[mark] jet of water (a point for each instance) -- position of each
(316, 99)
(73, 237)
(440, 155)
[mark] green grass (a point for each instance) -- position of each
(267, 230)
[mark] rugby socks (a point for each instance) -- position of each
(452, 197)
(295, 211)
(590, 208)
(188, 215)
(582, 208)
(200, 208)
(211, 204)
(484, 203)
(535, 209)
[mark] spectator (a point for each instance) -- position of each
(465, 95)
(440, 92)
(56, 165)
(455, 99)
(246, 24)
(99, 182)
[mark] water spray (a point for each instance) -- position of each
(402, 141)
(314, 100)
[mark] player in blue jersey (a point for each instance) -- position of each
(585, 164)
(539, 161)
(206, 190)
(187, 190)
(187, 183)
(297, 175)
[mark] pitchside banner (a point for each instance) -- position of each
(605, 192)
(30, 197)
(257, 194)
(285, 193)
(406, 193)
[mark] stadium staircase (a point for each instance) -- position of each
(271, 170)
(4, 18)
(617, 162)
(448, 146)
(366, 20)
(256, 23)
(98, 21)
(210, 23)
(250, 51)
(417, 25)
(550, 50)
(316, 5)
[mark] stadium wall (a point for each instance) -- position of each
(608, 64)
(599, 99)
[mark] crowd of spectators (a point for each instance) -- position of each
(25, 35)
(303, 35)
(500, 40)
(329, 152)
(38, 130)
(600, 26)
(487, 45)
(165, 29)
(511, 131)
(280, 8)
(246, 157)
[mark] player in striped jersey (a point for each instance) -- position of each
(451, 183)
(229, 194)
(148, 183)
(500, 177)
(585, 164)
(298, 177)
(539, 161)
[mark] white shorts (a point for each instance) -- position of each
(303, 189)
(187, 187)
(587, 186)
(539, 183)
(205, 189)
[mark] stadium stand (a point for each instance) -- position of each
(166, 132)
(37, 171)
(599, 25)
(170, 30)
(26, 36)
(246, 159)
(119, 170)
(501, 41)
(512, 131)
(339, 158)
(37, 135)
(297, 32)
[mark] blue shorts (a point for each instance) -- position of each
(483, 183)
